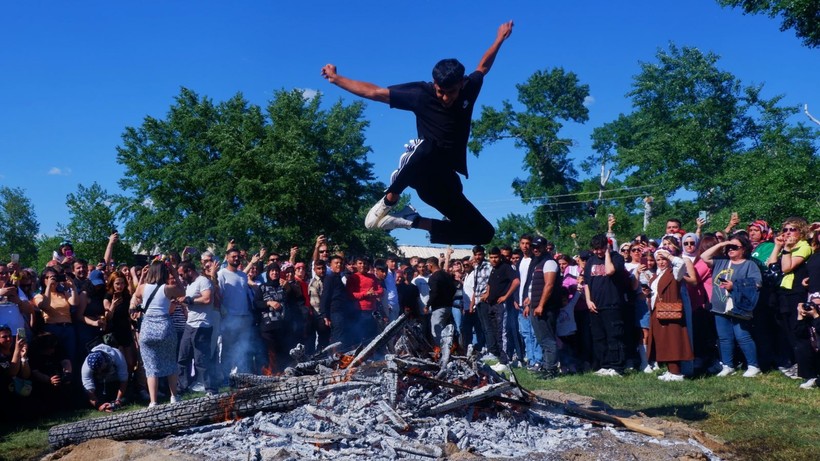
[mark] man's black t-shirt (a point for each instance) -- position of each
(606, 291)
(442, 289)
(448, 128)
(501, 278)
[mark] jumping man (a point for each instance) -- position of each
(443, 112)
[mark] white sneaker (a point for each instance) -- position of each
(152, 404)
(751, 372)
(648, 369)
(198, 387)
(175, 399)
(607, 372)
(789, 372)
(376, 214)
(500, 368)
(726, 371)
(402, 219)
(809, 384)
(668, 377)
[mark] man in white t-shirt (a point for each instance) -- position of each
(198, 338)
(237, 319)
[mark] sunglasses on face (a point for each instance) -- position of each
(732, 247)
(788, 229)
(688, 244)
(635, 250)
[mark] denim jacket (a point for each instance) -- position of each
(745, 293)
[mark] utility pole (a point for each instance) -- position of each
(647, 211)
(806, 110)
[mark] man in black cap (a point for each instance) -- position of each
(542, 304)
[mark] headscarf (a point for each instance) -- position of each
(690, 254)
(765, 230)
(97, 361)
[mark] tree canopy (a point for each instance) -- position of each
(211, 172)
(801, 15)
(696, 139)
(18, 226)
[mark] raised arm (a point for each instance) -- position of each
(504, 31)
(357, 87)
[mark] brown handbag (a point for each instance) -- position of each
(665, 310)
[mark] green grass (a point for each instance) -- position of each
(767, 417)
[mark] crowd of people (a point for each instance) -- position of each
(100, 334)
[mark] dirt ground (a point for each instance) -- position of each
(607, 445)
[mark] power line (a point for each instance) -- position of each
(547, 197)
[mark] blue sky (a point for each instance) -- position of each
(74, 75)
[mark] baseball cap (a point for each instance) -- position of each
(97, 278)
(539, 241)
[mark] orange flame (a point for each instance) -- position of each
(436, 353)
(227, 406)
(345, 360)
(268, 370)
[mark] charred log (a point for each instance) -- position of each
(163, 419)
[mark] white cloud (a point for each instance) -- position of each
(309, 93)
(588, 101)
(55, 171)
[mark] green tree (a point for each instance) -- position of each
(210, 172)
(801, 15)
(698, 139)
(510, 228)
(548, 99)
(46, 246)
(92, 218)
(18, 226)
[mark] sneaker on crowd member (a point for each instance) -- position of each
(668, 377)
(751, 372)
(809, 384)
(789, 372)
(726, 371)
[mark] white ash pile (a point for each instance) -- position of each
(361, 424)
(420, 402)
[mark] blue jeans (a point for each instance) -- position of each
(729, 330)
(457, 314)
(532, 349)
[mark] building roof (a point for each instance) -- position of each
(408, 251)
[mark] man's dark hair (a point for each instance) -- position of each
(319, 263)
(187, 266)
(675, 220)
(232, 250)
(495, 251)
(478, 249)
(82, 261)
(507, 248)
(525, 237)
(335, 257)
(598, 241)
(432, 260)
(448, 73)
(392, 257)
(363, 259)
(518, 252)
(380, 265)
